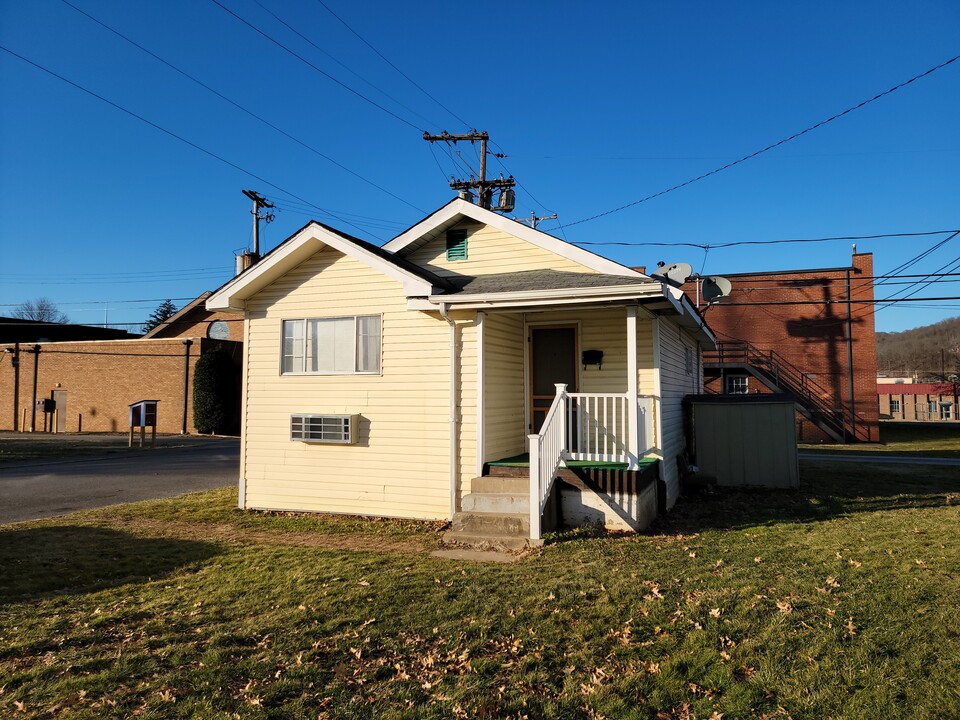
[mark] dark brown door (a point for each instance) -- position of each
(553, 359)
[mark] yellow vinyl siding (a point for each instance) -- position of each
(400, 467)
(675, 382)
(504, 345)
(490, 251)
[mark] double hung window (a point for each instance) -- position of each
(331, 346)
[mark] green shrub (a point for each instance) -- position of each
(214, 393)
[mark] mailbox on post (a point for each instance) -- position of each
(143, 414)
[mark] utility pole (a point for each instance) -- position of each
(533, 219)
(483, 186)
(259, 203)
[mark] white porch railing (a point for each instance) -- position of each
(593, 427)
(546, 456)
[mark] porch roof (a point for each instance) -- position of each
(543, 280)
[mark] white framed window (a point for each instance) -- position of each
(737, 385)
(933, 409)
(331, 346)
(894, 406)
(946, 411)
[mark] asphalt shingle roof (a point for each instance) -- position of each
(532, 280)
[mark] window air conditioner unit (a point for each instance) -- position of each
(332, 429)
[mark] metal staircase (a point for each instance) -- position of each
(815, 402)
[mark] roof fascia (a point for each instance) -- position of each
(308, 241)
(538, 238)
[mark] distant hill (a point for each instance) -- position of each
(917, 351)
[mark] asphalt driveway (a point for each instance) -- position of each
(43, 489)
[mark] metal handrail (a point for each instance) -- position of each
(785, 374)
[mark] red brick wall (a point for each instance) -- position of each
(102, 378)
(810, 336)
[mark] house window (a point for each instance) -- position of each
(331, 346)
(737, 385)
(946, 411)
(456, 244)
(933, 409)
(894, 406)
(688, 360)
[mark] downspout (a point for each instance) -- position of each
(454, 389)
(850, 384)
(186, 382)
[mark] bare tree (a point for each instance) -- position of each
(40, 310)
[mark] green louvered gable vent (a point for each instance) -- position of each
(456, 244)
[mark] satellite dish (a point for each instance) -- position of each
(714, 288)
(675, 274)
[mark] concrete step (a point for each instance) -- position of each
(493, 530)
(495, 524)
(494, 502)
(486, 542)
(500, 484)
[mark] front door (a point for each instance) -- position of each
(60, 398)
(553, 359)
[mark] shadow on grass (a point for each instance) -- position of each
(906, 439)
(827, 490)
(68, 560)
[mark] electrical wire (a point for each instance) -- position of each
(771, 146)
(386, 60)
(240, 107)
(720, 246)
(314, 67)
(174, 135)
(310, 42)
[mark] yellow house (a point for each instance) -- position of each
(455, 372)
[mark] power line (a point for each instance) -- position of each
(386, 60)
(715, 246)
(310, 42)
(311, 65)
(771, 146)
(173, 134)
(237, 105)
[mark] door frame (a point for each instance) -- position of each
(528, 328)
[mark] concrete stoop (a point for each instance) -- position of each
(496, 514)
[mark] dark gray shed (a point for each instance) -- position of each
(745, 439)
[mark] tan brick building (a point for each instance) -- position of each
(920, 402)
(94, 381)
(790, 331)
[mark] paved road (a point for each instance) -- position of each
(40, 490)
(891, 459)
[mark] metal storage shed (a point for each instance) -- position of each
(745, 439)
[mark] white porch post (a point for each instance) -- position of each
(633, 414)
(480, 450)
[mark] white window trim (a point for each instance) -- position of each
(746, 386)
(300, 373)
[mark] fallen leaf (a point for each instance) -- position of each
(716, 612)
(784, 607)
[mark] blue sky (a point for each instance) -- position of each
(596, 105)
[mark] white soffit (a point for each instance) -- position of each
(431, 226)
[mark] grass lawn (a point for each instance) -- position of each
(918, 439)
(839, 600)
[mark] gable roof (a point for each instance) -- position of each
(177, 316)
(310, 239)
(438, 222)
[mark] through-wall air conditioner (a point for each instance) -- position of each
(332, 429)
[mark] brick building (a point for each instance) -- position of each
(94, 381)
(921, 402)
(791, 331)
(194, 320)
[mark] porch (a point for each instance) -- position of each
(568, 388)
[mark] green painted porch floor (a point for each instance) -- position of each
(524, 461)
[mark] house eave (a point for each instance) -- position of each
(298, 248)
